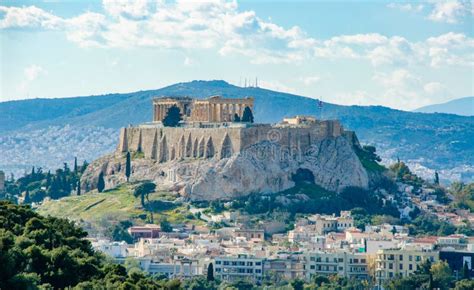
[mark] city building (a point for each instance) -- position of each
(400, 262)
(250, 234)
(343, 263)
(240, 267)
(148, 231)
(456, 261)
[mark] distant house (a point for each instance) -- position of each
(148, 231)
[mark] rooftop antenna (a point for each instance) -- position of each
(256, 82)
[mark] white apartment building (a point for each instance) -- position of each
(240, 267)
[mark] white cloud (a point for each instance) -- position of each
(406, 7)
(32, 72)
(28, 17)
(309, 80)
(449, 11)
(433, 88)
(189, 61)
(220, 26)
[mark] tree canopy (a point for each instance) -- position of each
(173, 116)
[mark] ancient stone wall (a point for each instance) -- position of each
(177, 143)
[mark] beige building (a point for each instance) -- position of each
(400, 262)
(344, 264)
(299, 120)
(213, 109)
(326, 223)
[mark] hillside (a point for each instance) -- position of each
(462, 106)
(97, 211)
(436, 141)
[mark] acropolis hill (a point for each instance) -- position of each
(212, 154)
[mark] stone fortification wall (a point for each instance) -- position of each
(168, 143)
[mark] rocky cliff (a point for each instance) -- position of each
(262, 168)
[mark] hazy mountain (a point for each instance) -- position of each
(462, 106)
(30, 127)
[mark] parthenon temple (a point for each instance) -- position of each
(213, 109)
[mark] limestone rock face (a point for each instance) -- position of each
(263, 168)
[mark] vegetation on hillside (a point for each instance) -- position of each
(37, 185)
(47, 252)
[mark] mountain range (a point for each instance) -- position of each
(462, 106)
(48, 132)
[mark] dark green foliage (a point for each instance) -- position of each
(75, 165)
(200, 283)
(143, 191)
(429, 225)
(210, 272)
(466, 284)
(436, 178)
(119, 232)
(236, 118)
(465, 271)
(165, 226)
(247, 115)
(39, 251)
(41, 185)
(297, 284)
(403, 173)
(78, 186)
(100, 182)
(369, 158)
(173, 116)
(128, 166)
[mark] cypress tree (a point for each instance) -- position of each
(173, 116)
(78, 187)
(128, 166)
(210, 272)
(27, 197)
(236, 118)
(75, 165)
(247, 116)
(436, 179)
(101, 182)
(465, 271)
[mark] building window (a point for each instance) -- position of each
(218, 262)
(362, 261)
(390, 266)
(356, 261)
(226, 263)
(234, 263)
(249, 263)
(410, 267)
(250, 271)
(258, 271)
(401, 258)
(258, 263)
(340, 260)
(418, 258)
(312, 258)
(401, 266)
(410, 258)
(312, 267)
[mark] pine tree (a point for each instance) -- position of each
(101, 182)
(128, 166)
(173, 116)
(210, 272)
(247, 116)
(84, 166)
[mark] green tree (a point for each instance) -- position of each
(442, 275)
(464, 284)
(210, 272)
(297, 284)
(75, 165)
(247, 115)
(78, 186)
(128, 166)
(143, 191)
(436, 178)
(166, 226)
(172, 117)
(101, 182)
(27, 200)
(236, 118)
(465, 271)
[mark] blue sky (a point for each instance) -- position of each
(398, 54)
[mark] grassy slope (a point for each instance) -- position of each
(102, 209)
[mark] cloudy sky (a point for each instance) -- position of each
(397, 54)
